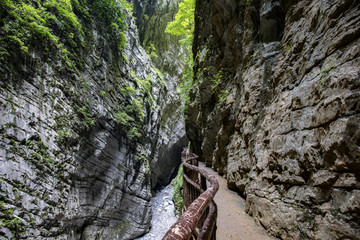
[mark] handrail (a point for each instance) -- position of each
(199, 218)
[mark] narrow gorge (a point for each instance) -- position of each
(97, 103)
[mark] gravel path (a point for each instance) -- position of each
(232, 222)
(163, 216)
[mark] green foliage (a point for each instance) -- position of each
(217, 80)
(178, 196)
(51, 23)
(186, 83)
(151, 51)
(55, 27)
(131, 115)
(134, 133)
(112, 14)
(145, 86)
(146, 17)
(183, 25)
(82, 108)
(123, 118)
(323, 73)
(137, 109)
(159, 74)
(144, 158)
(40, 154)
(288, 47)
(128, 90)
(130, 125)
(222, 96)
(62, 135)
(9, 221)
(103, 93)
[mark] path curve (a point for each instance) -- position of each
(232, 221)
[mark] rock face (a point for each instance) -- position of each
(164, 49)
(79, 148)
(275, 109)
(168, 55)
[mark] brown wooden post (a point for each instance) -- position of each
(199, 218)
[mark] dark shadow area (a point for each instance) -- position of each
(168, 163)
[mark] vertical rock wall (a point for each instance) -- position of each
(275, 109)
(79, 147)
(168, 55)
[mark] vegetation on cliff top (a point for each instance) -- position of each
(183, 25)
(57, 28)
(62, 33)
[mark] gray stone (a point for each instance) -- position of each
(67, 166)
(323, 178)
(291, 74)
(347, 180)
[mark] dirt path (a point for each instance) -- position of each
(233, 223)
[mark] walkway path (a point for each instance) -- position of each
(232, 222)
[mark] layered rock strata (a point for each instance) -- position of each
(275, 109)
(79, 147)
(168, 55)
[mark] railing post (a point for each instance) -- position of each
(199, 218)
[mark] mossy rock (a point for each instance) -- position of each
(178, 195)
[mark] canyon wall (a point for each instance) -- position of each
(86, 131)
(275, 108)
(168, 55)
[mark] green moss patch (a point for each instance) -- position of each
(178, 196)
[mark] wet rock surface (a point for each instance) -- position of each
(275, 109)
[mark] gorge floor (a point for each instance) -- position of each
(232, 222)
(163, 214)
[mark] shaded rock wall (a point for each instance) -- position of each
(168, 55)
(72, 164)
(275, 109)
(164, 49)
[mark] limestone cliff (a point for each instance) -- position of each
(275, 109)
(169, 56)
(82, 118)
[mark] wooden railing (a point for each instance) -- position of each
(198, 220)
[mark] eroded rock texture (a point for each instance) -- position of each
(275, 108)
(79, 147)
(168, 55)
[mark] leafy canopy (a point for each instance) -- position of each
(183, 24)
(58, 26)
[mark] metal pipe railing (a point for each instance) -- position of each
(199, 219)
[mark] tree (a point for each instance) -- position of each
(183, 24)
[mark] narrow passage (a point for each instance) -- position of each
(232, 222)
(163, 214)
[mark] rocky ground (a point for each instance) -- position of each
(163, 214)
